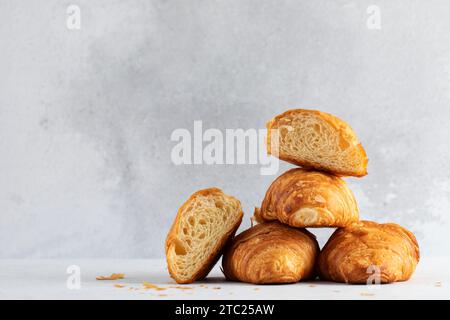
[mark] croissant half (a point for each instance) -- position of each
(315, 139)
(305, 198)
(203, 225)
(369, 252)
(271, 253)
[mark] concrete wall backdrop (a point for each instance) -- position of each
(86, 115)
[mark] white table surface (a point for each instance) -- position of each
(47, 279)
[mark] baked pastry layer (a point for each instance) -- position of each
(202, 227)
(271, 253)
(318, 140)
(367, 251)
(306, 198)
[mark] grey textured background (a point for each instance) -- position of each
(86, 115)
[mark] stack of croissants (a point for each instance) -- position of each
(279, 248)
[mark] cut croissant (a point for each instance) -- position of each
(203, 225)
(271, 253)
(368, 252)
(315, 139)
(305, 198)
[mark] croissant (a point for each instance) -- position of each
(318, 140)
(305, 198)
(202, 227)
(271, 253)
(366, 252)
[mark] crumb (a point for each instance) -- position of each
(119, 285)
(216, 288)
(114, 276)
(182, 287)
(256, 289)
(312, 285)
(438, 284)
(367, 294)
(148, 285)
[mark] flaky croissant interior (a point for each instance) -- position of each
(315, 139)
(202, 227)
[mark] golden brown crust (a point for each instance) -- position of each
(357, 253)
(271, 253)
(304, 198)
(212, 259)
(346, 135)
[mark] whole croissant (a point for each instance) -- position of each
(305, 198)
(368, 252)
(271, 253)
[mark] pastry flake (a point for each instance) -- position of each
(113, 276)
